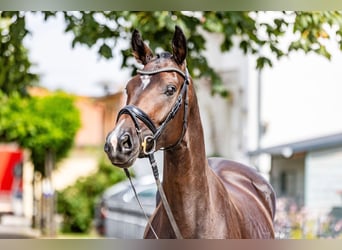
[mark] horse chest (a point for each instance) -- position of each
(194, 222)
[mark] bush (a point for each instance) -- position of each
(76, 203)
(40, 124)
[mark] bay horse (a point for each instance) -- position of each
(209, 198)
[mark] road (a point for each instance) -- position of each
(14, 227)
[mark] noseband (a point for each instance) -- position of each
(137, 114)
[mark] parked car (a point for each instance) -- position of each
(118, 214)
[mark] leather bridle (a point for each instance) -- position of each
(137, 114)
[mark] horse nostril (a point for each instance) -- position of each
(126, 142)
(106, 147)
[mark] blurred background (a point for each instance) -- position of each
(268, 85)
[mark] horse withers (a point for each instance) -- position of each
(209, 198)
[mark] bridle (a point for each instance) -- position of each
(137, 114)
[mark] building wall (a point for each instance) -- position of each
(313, 180)
(287, 177)
(111, 105)
(225, 120)
(90, 133)
(97, 118)
(323, 180)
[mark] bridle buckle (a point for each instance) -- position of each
(147, 140)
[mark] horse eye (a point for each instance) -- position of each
(170, 90)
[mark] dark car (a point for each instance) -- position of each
(118, 214)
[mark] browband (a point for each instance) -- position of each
(167, 69)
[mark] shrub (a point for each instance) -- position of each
(76, 203)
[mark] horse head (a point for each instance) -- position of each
(152, 118)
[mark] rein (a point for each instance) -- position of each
(137, 114)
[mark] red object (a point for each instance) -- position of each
(11, 161)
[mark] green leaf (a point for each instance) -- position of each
(106, 51)
(262, 62)
(244, 46)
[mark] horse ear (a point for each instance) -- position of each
(179, 45)
(142, 53)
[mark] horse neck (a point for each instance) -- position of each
(186, 167)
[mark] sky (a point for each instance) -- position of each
(302, 98)
(78, 70)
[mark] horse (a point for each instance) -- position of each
(209, 198)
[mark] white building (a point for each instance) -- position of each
(301, 106)
(225, 121)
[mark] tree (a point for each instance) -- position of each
(39, 124)
(15, 65)
(248, 30)
(58, 120)
(47, 127)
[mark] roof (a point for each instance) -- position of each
(319, 143)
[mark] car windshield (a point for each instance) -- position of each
(146, 194)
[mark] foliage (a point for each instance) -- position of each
(39, 124)
(250, 31)
(76, 203)
(15, 65)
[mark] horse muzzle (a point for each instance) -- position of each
(122, 147)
